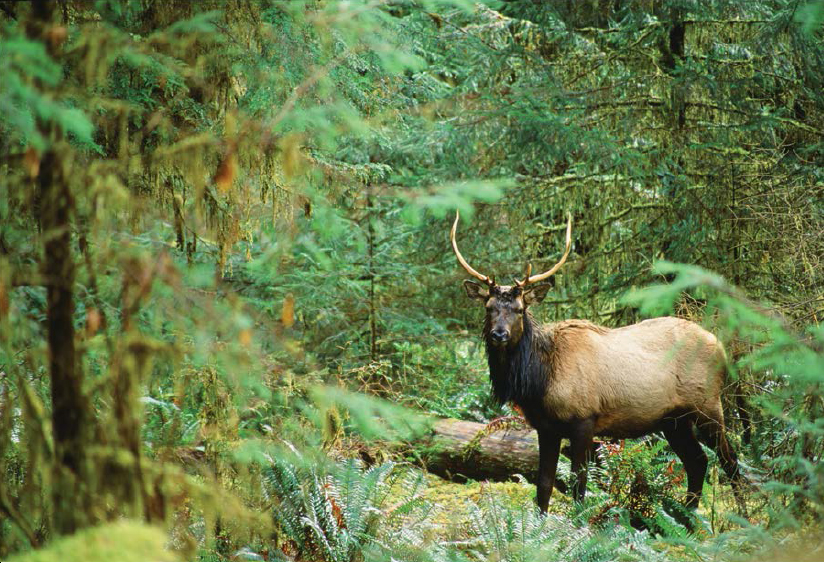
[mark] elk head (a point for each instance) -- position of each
(506, 304)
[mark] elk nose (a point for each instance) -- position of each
(500, 335)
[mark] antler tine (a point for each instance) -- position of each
(526, 277)
(472, 271)
(540, 277)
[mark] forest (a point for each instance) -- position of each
(233, 327)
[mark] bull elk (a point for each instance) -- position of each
(577, 380)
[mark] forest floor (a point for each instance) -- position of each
(454, 516)
(453, 503)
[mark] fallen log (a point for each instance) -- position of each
(459, 450)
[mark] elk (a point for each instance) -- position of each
(577, 380)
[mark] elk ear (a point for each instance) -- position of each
(535, 295)
(476, 291)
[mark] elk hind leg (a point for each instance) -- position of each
(680, 433)
(711, 428)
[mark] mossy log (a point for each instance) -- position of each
(459, 450)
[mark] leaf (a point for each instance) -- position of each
(461, 195)
(226, 171)
(287, 315)
(292, 158)
(245, 337)
(811, 16)
(93, 321)
(199, 23)
(31, 161)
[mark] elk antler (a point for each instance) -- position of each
(540, 277)
(466, 266)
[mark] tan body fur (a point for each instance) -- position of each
(628, 379)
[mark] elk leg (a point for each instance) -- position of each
(680, 433)
(568, 452)
(711, 427)
(549, 446)
(580, 442)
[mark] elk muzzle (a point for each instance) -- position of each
(499, 336)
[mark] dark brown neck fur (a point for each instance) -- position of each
(520, 374)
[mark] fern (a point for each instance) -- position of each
(520, 533)
(344, 514)
(642, 483)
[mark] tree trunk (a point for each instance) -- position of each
(69, 407)
(71, 488)
(373, 309)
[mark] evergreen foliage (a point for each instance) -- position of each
(227, 295)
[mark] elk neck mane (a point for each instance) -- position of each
(521, 374)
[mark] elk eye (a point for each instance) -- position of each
(517, 311)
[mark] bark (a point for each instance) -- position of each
(70, 489)
(373, 326)
(69, 407)
(451, 454)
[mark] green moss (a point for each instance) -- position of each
(120, 541)
(453, 502)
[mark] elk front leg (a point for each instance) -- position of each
(549, 446)
(580, 442)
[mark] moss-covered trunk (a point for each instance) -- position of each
(70, 489)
